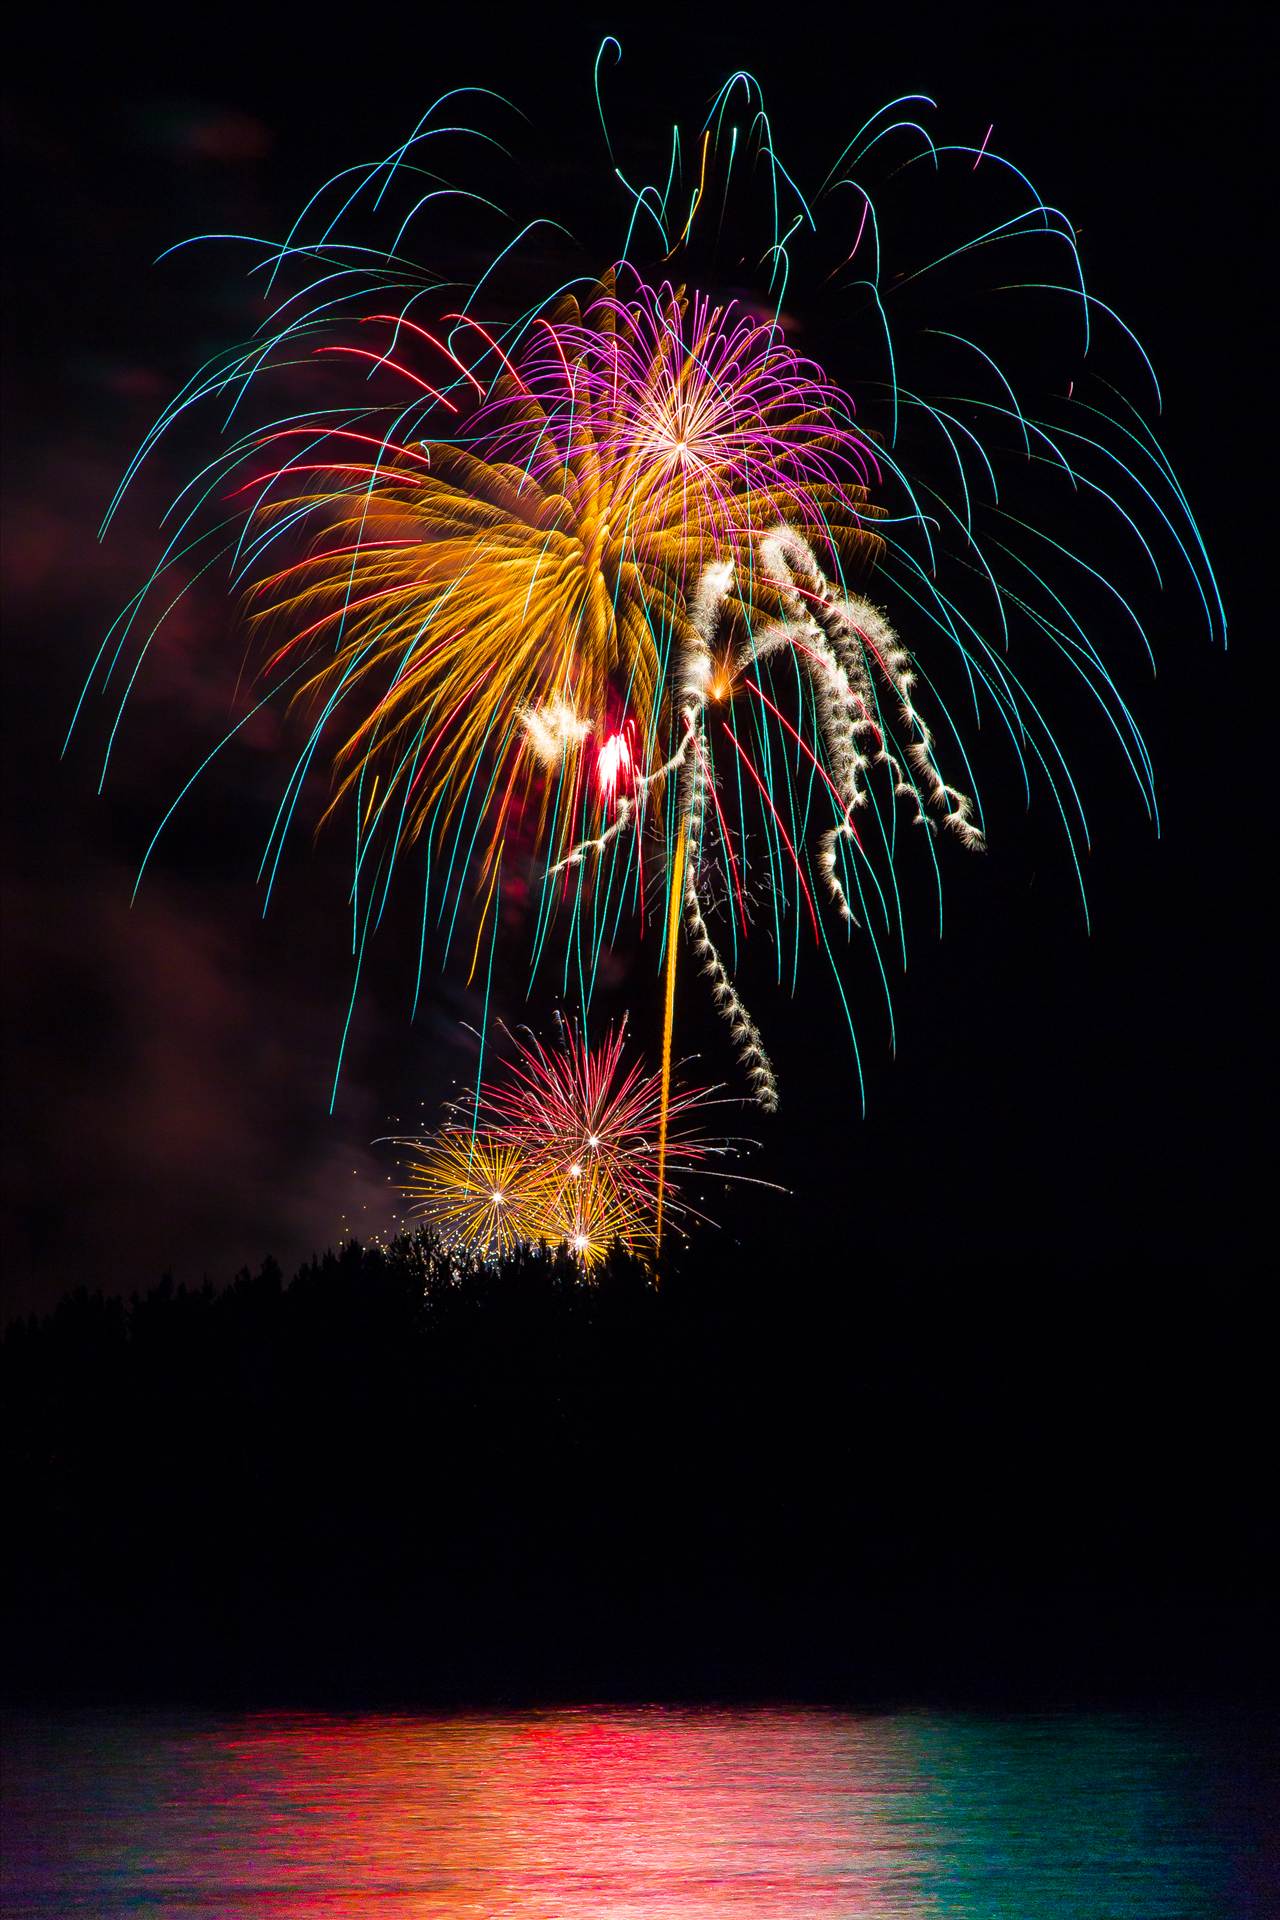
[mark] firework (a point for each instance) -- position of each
(593, 1116)
(505, 617)
(586, 585)
(563, 1145)
(478, 1194)
(591, 1218)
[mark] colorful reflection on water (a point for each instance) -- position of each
(635, 1814)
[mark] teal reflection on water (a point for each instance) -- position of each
(1081, 1818)
(637, 1814)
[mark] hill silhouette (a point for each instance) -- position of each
(392, 1478)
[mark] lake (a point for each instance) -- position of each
(649, 1813)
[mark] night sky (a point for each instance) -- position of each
(1058, 1101)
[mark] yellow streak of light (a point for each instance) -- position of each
(673, 935)
(475, 951)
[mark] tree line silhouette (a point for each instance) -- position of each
(400, 1477)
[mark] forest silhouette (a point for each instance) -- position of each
(394, 1478)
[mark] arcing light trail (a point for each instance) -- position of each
(584, 584)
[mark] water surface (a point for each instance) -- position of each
(634, 1814)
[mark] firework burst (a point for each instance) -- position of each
(563, 1145)
(594, 1117)
(478, 1194)
(585, 585)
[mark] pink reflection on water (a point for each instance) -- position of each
(559, 1816)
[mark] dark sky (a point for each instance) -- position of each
(1058, 1099)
